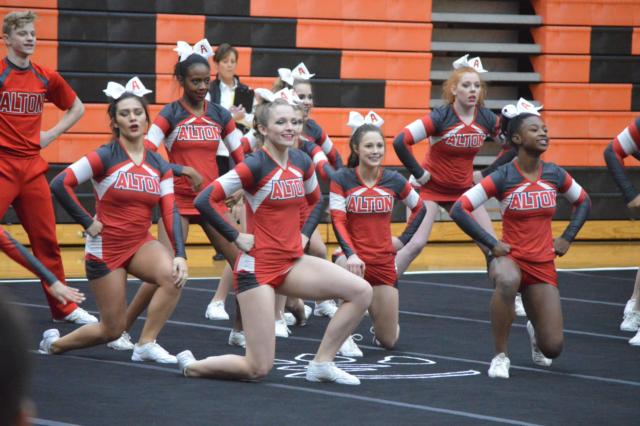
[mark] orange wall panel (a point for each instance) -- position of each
(562, 68)
(72, 146)
(586, 124)
(407, 94)
(378, 10)
(576, 152)
(256, 82)
(171, 28)
(583, 97)
(588, 12)
(334, 120)
(167, 89)
(385, 65)
(29, 4)
(635, 42)
(362, 35)
(576, 40)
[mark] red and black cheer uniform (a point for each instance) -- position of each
(276, 199)
(361, 218)
(193, 141)
(126, 194)
(527, 210)
(454, 145)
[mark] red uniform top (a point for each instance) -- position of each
(361, 215)
(527, 209)
(23, 93)
(193, 140)
(125, 193)
(454, 145)
(274, 199)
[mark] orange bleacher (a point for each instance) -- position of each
(583, 96)
(588, 99)
(379, 10)
(588, 12)
(379, 40)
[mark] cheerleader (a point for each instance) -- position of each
(361, 203)
(456, 131)
(527, 189)
(129, 181)
(278, 181)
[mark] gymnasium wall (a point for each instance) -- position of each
(366, 54)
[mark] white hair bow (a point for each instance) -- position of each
(356, 119)
(299, 72)
(202, 48)
(287, 94)
(521, 107)
(474, 63)
(135, 86)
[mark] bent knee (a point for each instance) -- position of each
(507, 284)
(364, 294)
(388, 343)
(551, 348)
(111, 332)
(165, 280)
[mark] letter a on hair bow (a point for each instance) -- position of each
(135, 86)
(202, 48)
(356, 119)
(299, 72)
(474, 63)
(523, 106)
(287, 94)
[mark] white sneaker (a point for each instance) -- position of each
(350, 348)
(215, 311)
(281, 329)
(328, 372)
(122, 343)
(184, 359)
(289, 319)
(48, 337)
(236, 338)
(635, 340)
(79, 316)
(631, 321)
(519, 306)
(326, 308)
(152, 352)
(499, 367)
(536, 355)
(628, 307)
